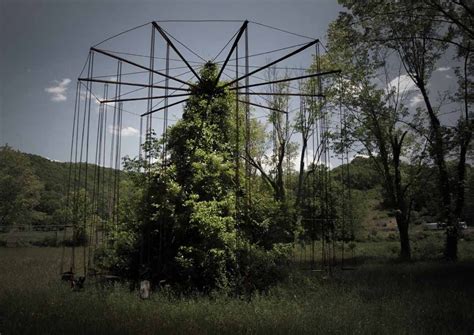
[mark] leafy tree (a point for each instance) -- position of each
(416, 33)
(182, 226)
(363, 174)
(278, 150)
(377, 118)
(311, 110)
(19, 188)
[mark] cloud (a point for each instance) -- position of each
(126, 131)
(58, 92)
(308, 160)
(129, 131)
(402, 83)
(443, 69)
(416, 100)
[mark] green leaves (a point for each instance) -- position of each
(19, 188)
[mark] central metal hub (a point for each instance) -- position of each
(208, 83)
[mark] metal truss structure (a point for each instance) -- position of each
(96, 143)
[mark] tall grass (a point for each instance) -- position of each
(376, 298)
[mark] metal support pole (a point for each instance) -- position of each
(247, 122)
(165, 114)
(140, 66)
(140, 149)
(262, 106)
(234, 46)
(237, 134)
(318, 74)
(91, 73)
(104, 170)
(166, 96)
(170, 44)
(131, 84)
(165, 107)
(248, 74)
(149, 119)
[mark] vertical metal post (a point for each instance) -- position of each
(95, 188)
(91, 73)
(140, 154)
(77, 177)
(247, 124)
(343, 180)
(150, 93)
(68, 191)
(164, 153)
(237, 135)
(165, 114)
(104, 169)
(119, 154)
(117, 132)
(119, 163)
(111, 188)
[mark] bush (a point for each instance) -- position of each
(261, 269)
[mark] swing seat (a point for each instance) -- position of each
(78, 284)
(108, 279)
(111, 277)
(67, 276)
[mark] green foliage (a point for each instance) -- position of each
(362, 174)
(44, 198)
(120, 254)
(19, 188)
(180, 224)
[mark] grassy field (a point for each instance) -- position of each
(380, 296)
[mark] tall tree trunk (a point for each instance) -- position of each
(465, 130)
(280, 194)
(299, 192)
(400, 199)
(438, 153)
(466, 138)
(402, 224)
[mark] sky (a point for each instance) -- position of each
(46, 43)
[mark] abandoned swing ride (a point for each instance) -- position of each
(115, 84)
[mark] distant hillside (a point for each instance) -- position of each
(363, 180)
(367, 186)
(53, 174)
(53, 177)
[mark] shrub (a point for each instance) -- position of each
(260, 269)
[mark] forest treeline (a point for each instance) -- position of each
(34, 189)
